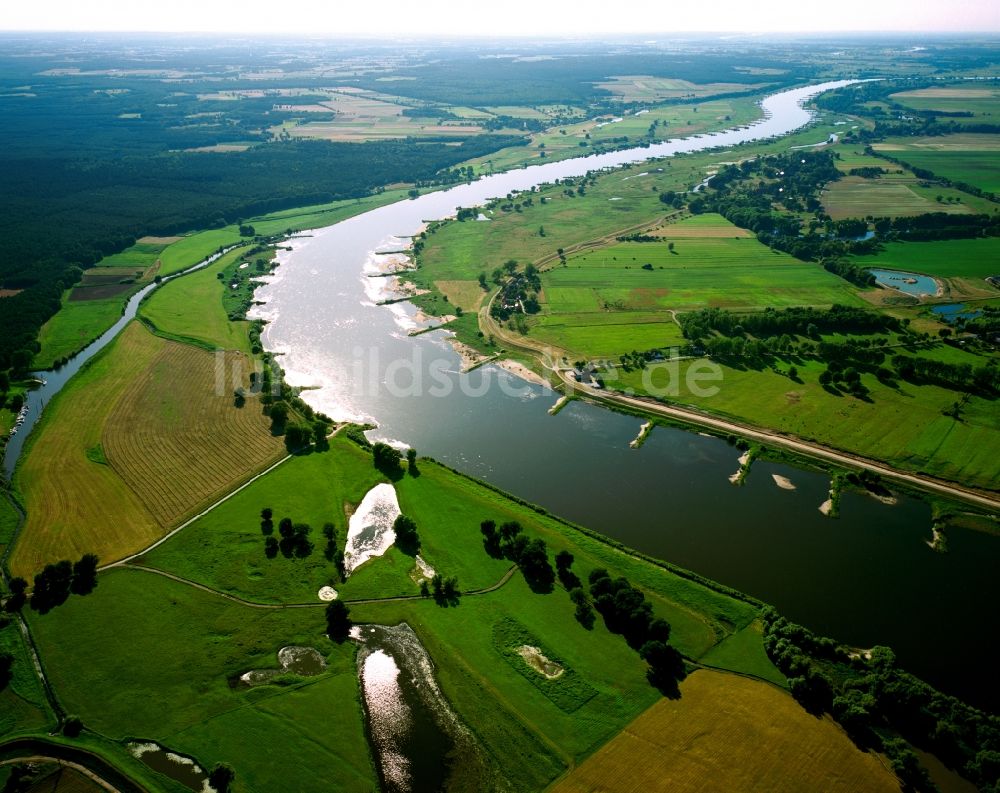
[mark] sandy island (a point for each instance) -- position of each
(783, 482)
(522, 371)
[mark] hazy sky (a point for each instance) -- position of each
(501, 17)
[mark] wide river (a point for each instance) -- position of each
(866, 577)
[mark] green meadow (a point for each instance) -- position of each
(190, 308)
(977, 258)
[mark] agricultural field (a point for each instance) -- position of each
(181, 445)
(607, 132)
(973, 159)
(118, 455)
(75, 503)
(767, 740)
(649, 90)
(891, 195)
(710, 263)
(983, 102)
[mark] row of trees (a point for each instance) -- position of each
(626, 611)
(54, 584)
(872, 698)
(530, 555)
(958, 376)
(798, 321)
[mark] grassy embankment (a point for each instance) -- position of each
(585, 137)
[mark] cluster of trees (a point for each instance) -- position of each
(626, 611)
(519, 293)
(530, 555)
(810, 322)
(958, 376)
(294, 536)
(298, 434)
(445, 591)
(872, 697)
(55, 583)
(387, 459)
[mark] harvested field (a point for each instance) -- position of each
(74, 504)
(854, 197)
(176, 438)
(150, 408)
(728, 733)
(158, 240)
(700, 226)
(99, 292)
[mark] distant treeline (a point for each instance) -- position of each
(63, 213)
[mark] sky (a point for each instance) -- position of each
(502, 17)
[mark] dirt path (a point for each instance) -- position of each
(771, 437)
(311, 605)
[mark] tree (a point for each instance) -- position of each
(386, 458)
(564, 560)
(491, 539)
(584, 611)
(482, 282)
(6, 669)
(18, 586)
(270, 546)
(221, 777)
(407, 540)
(338, 621)
(285, 528)
(72, 726)
(279, 415)
(84, 575)
(411, 461)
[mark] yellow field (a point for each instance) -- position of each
(728, 733)
(135, 440)
(74, 504)
(177, 441)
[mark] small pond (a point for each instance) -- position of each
(952, 312)
(910, 283)
(176, 766)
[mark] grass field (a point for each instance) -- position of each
(645, 88)
(982, 101)
(74, 326)
(973, 259)
(608, 301)
(855, 197)
(23, 707)
(167, 642)
(968, 158)
(729, 733)
(170, 440)
(190, 308)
